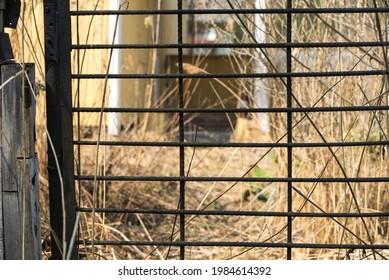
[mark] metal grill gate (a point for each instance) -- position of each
(180, 179)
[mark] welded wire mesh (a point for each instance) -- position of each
(242, 130)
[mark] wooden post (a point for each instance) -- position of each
(19, 209)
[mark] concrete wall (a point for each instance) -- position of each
(143, 30)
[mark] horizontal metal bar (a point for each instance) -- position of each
(231, 11)
(232, 213)
(233, 75)
(235, 244)
(231, 110)
(230, 179)
(239, 45)
(231, 144)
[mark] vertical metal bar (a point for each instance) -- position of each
(181, 128)
(1, 21)
(78, 166)
(289, 123)
(2, 8)
(60, 126)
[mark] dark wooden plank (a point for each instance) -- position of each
(17, 121)
(21, 215)
(20, 224)
(11, 125)
(32, 230)
(18, 108)
(1, 217)
(12, 112)
(1, 184)
(12, 226)
(9, 171)
(2, 256)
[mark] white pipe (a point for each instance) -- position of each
(114, 123)
(260, 84)
(157, 5)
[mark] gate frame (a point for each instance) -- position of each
(59, 111)
(60, 128)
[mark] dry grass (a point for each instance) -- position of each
(322, 127)
(368, 162)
